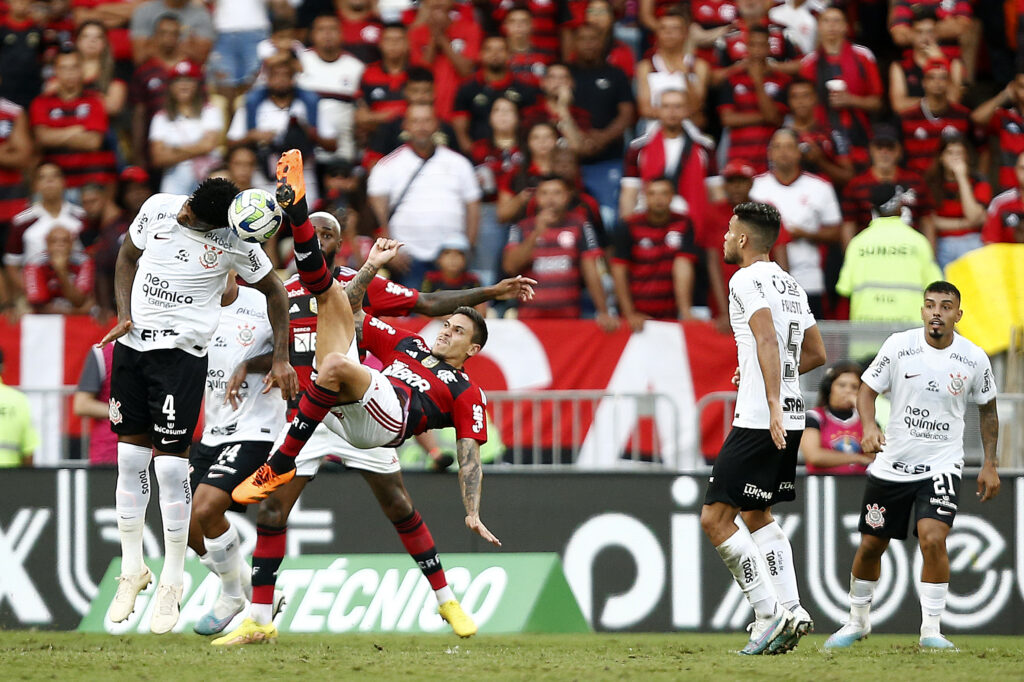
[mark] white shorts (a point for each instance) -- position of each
(325, 442)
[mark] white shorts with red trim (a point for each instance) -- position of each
(324, 443)
(375, 420)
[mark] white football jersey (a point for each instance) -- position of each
(765, 285)
(181, 276)
(928, 389)
(243, 333)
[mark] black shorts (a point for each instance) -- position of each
(885, 509)
(225, 466)
(751, 473)
(159, 392)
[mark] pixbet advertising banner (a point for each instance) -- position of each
(631, 547)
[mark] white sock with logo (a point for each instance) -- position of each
(778, 555)
(861, 594)
(740, 555)
(175, 509)
(933, 603)
(224, 552)
(131, 500)
(245, 577)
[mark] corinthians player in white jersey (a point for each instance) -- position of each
(929, 374)
(777, 340)
(168, 282)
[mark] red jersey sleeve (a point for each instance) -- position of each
(36, 291)
(631, 166)
(85, 276)
(379, 337)
(96, 121)
(469, 416)
(391, 299)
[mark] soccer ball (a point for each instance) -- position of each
(254, 215)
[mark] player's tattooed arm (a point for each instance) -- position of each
(988, 479)
(356, 287)
(124, 276)
(470, 474)
(437, 303)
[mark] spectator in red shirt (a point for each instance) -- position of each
(936, 117)
(551, 22)
(831, 440)
(106, 226)
(451, 273)
(565, 164)
(960, 197)
(846, 77)
(361, 29)
(823, 151)
(516, 187)
(1003, 117)
(653, 265)
(712, 19)
(16, 151)
(1005, 220)
(526, 58)
(731, 50)
(556, 105)
(885, 154)
(71, 126)
(449, 47)
(148, 87)
(59, 280)
(906, 77)
(953, 23)
(493, 159)
(380, 93)
(752, 102)
(561, 252)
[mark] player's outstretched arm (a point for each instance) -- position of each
(812, 350)
(281, 372)
(437, 303)
(988, 479)
(124, 275)
(470, 475)
(873, 439)
(763, 329)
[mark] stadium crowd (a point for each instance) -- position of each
(595, 145)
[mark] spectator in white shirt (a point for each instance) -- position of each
(810, 212)
(184, 136)
(423, 195)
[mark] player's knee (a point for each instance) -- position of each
(336, 368)
(397, 506)
(206, 511)
(710, 520)
(932, 542)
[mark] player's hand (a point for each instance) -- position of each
(120, 329)
(873, 441)
(736, 378)
(515, 287)
(284, 377)
(232, 392)
(636, 321)
(477, 526)
(775, 426)
(988, 483)
(382, 251)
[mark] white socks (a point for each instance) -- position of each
(740, 555)
(175, 509)
(861, 594)
(444, 594)
(131, 500)
(933, 603)
(261, 613)
(224, 559)
(778, 555)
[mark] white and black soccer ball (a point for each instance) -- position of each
(254, 215)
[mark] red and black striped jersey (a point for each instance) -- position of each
(732, 47)
(360, 38)
(1007, 125)
(149, 85)
(383, 297)
(923, 131)
(750, 142)
(13, 193)
(382, 91)
(549, 17)
(948, 205)
(708, 14)
(1005, 222)
(530, 65)
(438, 395)
(557, 256)
(492, 164)
(649, 251)
(856, 201)
(80, 167)
(903, 15)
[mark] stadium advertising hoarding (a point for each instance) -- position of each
(631, 547)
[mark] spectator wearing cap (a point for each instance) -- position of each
(906, 77)
(422, 194)
(381, 95)
(197, 29)
(451, 271)
(752, 102)
(70, 126)
(712, 225)
(1003, 118)
(18, 437)
(106, 224)
(823, 150)
(492, 80)
(184, 136)
(148, 86)
(888, 264)
(27, 238)
(885, 153)
(562, 253)
(1005, 220)
(960, 196)
(809, 210)
(654, 260)
(847, 81)
(240, 26)
(133, 190)
(282, 116)
(673, 149)
(60, 279)
(934, 117)
(449, 47)
(334, 76)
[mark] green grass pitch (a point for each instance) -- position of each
(71, 656)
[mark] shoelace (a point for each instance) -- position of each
(263, 475)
